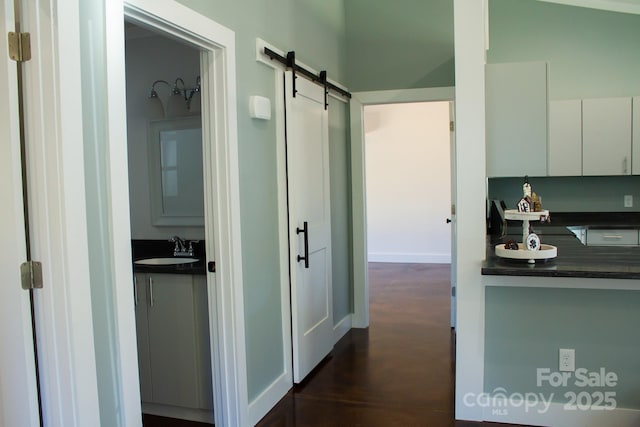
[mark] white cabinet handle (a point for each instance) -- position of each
(611, 236)
(151, 291)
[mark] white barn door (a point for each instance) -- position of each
(18, 389)
(307, 139)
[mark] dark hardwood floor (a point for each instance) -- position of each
(398, 372)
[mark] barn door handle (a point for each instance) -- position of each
(305, 230)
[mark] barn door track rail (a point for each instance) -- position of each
(321, 78)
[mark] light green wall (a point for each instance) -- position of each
(315, 29)
(403, 44)
(339, 148)
(591, 53)
(96, 158)
(525, 327)
(572, 194)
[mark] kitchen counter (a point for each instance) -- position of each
(574, 259)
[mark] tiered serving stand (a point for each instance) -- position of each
(545, 251)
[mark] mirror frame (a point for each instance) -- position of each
(158, 217)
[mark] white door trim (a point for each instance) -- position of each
(57, 205)
(358, 187)
(18, 386)
(222, 195)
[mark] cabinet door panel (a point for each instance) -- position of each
(205, 378)
(172, 340)
(142, 334)
(606, 136)
(516, 119)
(565, 138)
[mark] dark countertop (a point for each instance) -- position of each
(142, 249)
(194, 268)
(574, 259)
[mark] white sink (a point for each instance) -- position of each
(166, 261)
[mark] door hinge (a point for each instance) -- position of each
(453, 291)
(452, 126)
(19, 46)
(31, 275)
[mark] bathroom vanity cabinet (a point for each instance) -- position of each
(173, 340)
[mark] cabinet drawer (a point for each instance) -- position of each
(612, 237)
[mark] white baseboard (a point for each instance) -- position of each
(198, 415)
(417, 258)
(342, 328)
(509, 412)
(262, 404)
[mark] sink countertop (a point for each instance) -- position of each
(574, 259)
(142, 249)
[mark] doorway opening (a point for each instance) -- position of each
(359, 168)
(408, 182)
(219, 289)
(408, 154)
(166, 199)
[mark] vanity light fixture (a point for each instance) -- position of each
(182, 100)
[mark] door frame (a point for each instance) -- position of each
(18, 382)
(222, 194)
(57, 208)
(358, 183)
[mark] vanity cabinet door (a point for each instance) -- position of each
(606, 136)
(565, 138)
(173, 340)
(174, 353)
(142, 334)
(203, 349)
(516, 119)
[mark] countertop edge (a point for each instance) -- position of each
(523, 272)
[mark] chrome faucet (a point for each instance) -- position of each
(180, 248)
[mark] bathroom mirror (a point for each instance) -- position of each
(175, 167)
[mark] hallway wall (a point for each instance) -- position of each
(316, 31)
(408, 182)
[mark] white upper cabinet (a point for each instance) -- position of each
(635, 146)
(516, 119)
(565, 138)
(606, 136)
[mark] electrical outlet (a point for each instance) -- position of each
(628, 201)
(567, 360)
